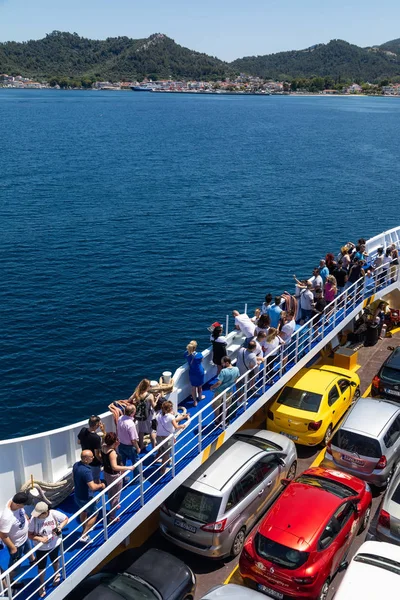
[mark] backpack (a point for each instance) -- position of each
(142, 410)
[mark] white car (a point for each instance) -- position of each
(234, 592)
(373, 571)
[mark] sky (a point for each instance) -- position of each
(228, 29)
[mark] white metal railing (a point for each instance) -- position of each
(204, 428)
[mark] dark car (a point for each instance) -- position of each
(386, 383)
(156, 575)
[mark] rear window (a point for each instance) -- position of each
(300, 399)
(279, 554)
(357, 443)
(390, 374)
(194, 505)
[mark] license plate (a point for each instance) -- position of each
(185, 526)
(353, 459)
(290, 436)
(269, 591)
(393, 392)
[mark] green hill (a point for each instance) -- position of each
(69, 55)
(338, 59)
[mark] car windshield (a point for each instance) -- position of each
(357, 443)
(300, 399)
(279, 554)
(333, 487)
(390, 374)
(265, 445)
(379, 561)
(194, 505)
(129, 586)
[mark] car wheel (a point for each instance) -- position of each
(291, 474)
(327, 435)
(323, 595)
(238, 543)
(365, 521)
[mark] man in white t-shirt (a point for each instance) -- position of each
(45, 527)
(316, 280)
(14, 525)
(244, 324)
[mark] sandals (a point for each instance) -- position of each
(42, 592)
(57, 579)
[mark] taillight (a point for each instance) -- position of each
(165, 510)
(382, 463)
(270, 415)
(217, 527)
(304, 580)
(314, 425)
(376, 382)
(384, 519)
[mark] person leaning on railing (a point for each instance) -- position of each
(113, 467)
(83, 493)
(46, 527)
(14, 525)
(167, 424)
(226, 379)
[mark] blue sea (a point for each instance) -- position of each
(130, 222)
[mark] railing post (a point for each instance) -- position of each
(245, 308)
(141, 484)
(224, 411)
(9, 590)
(173, 457)
(245, 389)
(355, 294)
(334, 312)
(345, 302)
(296, 355)
(104, 513)
(62, 557)
(310, 334)
(199, 441)
(264, 376)
(227, 325)
(281, 360)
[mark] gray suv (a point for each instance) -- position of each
(213, 510)
(367, 444)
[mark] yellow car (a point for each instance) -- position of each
(312, 403)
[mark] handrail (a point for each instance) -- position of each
(211, 420)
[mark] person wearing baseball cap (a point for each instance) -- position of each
(45, 528)
(14, 529)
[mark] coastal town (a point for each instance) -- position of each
(242, 84)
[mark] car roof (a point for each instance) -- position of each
(233, 592)
(393, 361)
(160, 577)
(370, 416)
(290, 522)
(223, 464)
(368, 581)
(306, 379)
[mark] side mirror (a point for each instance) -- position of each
(353, 384)
(357, 508)
(391, 348)
(285, 481)
(281, 461)
(343, 566)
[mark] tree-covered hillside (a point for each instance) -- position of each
(338, 59)
(69, 55)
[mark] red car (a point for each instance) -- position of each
(305, 536)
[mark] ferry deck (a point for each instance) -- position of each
(50, 456)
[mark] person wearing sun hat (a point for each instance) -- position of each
(45, 527)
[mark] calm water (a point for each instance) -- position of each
(130, 222)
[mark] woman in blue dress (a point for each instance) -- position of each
(196, 371)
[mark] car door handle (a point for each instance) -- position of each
(269, 483)
(260, 493)
(333, 412)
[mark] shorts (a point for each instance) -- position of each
(90, 510)
(167, 446)
(43, 555)
(21, 550)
